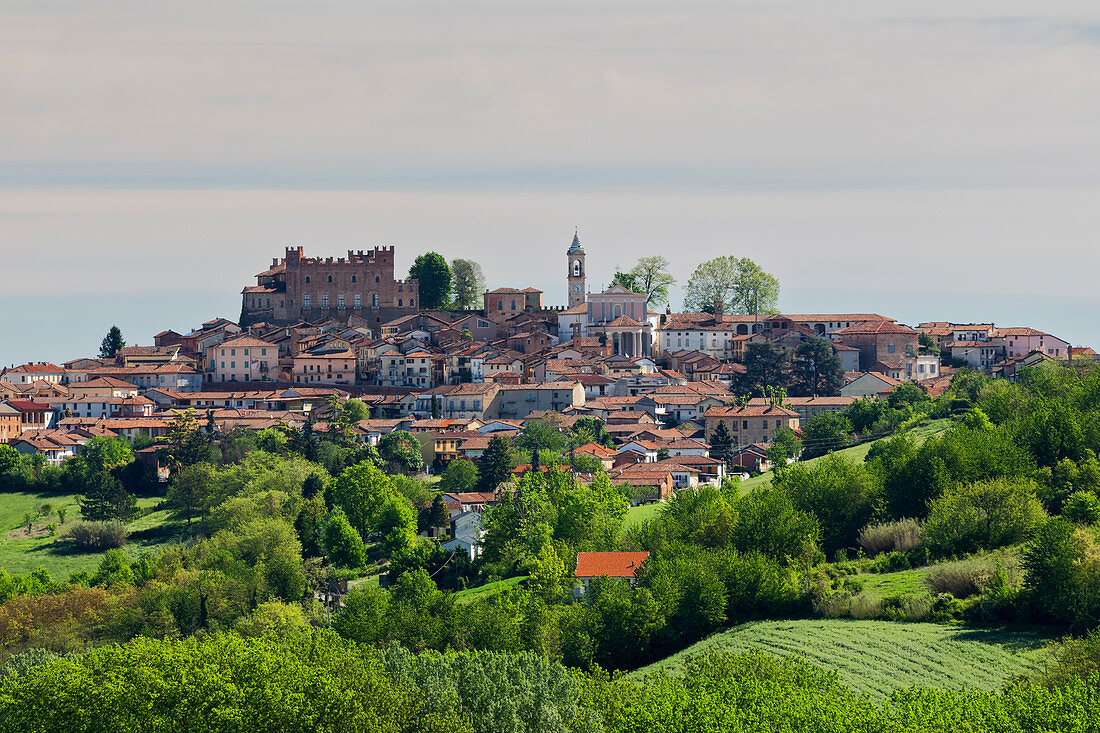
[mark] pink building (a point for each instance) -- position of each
(243, 359)
(1022, 341)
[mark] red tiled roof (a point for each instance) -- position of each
(610, 564)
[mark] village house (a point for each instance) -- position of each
(877, 339)
(243, 359)
(29, 373)
(869, 384)
(619, 565)
(519, 401)
(750, 423)
(325, 367)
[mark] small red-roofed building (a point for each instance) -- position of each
(619, 565)
(750, 423)
(868, 384)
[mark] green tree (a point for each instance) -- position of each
(982, 516)
(842, 494)
(469, 283)
(360, 491)
(461, 475)
(112, 343)
(721, 443)
(766, 366)
(342, 545)
(192, 489)
(626, 280)
(496, 464)
(401, 450)
(755, 291)
(906, 394)
(824, 433)
(815, 369)
(105, 453)
(739, 283)
(712, 281)
(397, 525)
(105, 499)
(651, 276)
(9, 458)
(433, 278)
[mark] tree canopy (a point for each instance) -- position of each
(468, 283)
(738, 282)
(112, 343)
(433, 277)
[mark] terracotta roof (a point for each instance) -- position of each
(243, 341)
(874, 327)
(749, 411)
(43, 367)
(610, 564)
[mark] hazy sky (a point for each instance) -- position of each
(931, 160)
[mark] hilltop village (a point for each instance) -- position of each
(661, 382)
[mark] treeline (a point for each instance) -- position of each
(317, 681)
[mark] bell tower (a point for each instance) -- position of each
(575, 271)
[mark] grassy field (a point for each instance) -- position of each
(857, 452)
(60, 557)
(640, 513)
(488, 590)
(878, 657)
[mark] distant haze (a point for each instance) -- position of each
(927, 161)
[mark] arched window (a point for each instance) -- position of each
(410, 302)
(742, 329)
(618, 310)
(399, 302)
(307, 279)
(377, 279)
(353, 278)
(330, 278)
(576, 268)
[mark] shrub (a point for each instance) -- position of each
(865, 605)
(900, 536)
(1082, 507)
(99, 535)
(1073, 659)
(960, 579)
(982, 515)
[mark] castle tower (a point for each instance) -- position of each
(575, 273)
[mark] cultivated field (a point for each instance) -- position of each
(878, 657)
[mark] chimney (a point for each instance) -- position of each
(717, 310)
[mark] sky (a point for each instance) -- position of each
(927, 161)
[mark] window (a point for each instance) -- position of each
(330, 278)
(376, 279)
(246, 352)
(353, 278)
(223, 352)
(263, 352)
(744, 424)
(890, 348)
(358, 300)
(232, 352)
(232, 365)
(305, 301)
(513, 305)
(307, 279)
(340, 301)
(500, 305)
(324, 300)
(399, 302)
(374, 300)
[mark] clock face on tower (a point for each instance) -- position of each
(577, 288)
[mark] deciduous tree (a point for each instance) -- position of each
(433, 278)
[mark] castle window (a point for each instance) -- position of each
(305, 300)
(376, 279)
(353, 278)
(374, 300)
(324, 300)
(307, 279)
(411, 302)
(340, 301)
(330, 278)
(399, 302)
(358, 298)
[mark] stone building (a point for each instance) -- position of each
(299, 288)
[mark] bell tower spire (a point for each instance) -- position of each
(575, 272)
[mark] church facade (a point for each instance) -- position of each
(299, 288)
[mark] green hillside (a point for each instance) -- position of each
(878, 657)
